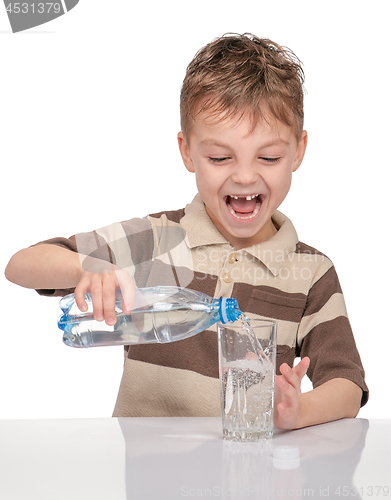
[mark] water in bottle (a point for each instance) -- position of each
(161, 314)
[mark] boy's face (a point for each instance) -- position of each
(242, 176)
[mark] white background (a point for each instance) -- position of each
(89, 112)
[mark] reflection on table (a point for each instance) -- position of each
(174, 458)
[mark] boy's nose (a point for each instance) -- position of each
(245, 174)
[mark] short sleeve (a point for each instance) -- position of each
(326, 337)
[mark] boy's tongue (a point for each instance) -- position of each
(242, 205)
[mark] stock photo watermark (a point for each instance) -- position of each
(321, 491)
(25, 15)
(167, 248)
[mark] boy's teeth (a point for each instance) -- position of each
(248, 197)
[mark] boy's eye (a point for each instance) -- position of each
(270, 160)
(219, 159)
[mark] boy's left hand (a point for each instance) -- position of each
(287, 395)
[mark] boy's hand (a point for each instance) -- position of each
(288, 394)
(102, 287)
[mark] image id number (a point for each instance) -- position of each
(363, 491)
(33, 8)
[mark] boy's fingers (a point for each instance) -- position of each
(302, 367)
(80, 301)
(80, 292)
(281, 409)
(97, 296)
(299, 370)
(108, 298)
(288, 373)
(102, 287)
(294, 375)
(128, 290)
(286, 387)
(128, 300)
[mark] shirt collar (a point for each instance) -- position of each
(272, 253)
(199, 227)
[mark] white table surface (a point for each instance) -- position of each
(175, 458)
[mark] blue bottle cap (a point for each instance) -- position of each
(229, 310)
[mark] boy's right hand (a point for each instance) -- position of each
(102, 287)
(47, 267)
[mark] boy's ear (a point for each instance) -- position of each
(185, 153)
(302, 146)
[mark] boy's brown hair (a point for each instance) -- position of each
(243, 75)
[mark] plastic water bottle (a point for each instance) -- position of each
(160, 314)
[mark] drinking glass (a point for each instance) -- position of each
(247, 360)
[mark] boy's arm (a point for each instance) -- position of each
(337, 398)
(45, 267)
(49, 267)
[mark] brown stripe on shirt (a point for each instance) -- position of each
(204, 283)
(198, 353)
(343, 360)
(270, 302)
(172, 215)
(68, 243)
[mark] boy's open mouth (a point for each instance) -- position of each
(244, 207)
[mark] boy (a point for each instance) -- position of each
(242, 135)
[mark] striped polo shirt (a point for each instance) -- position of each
(281, 279)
